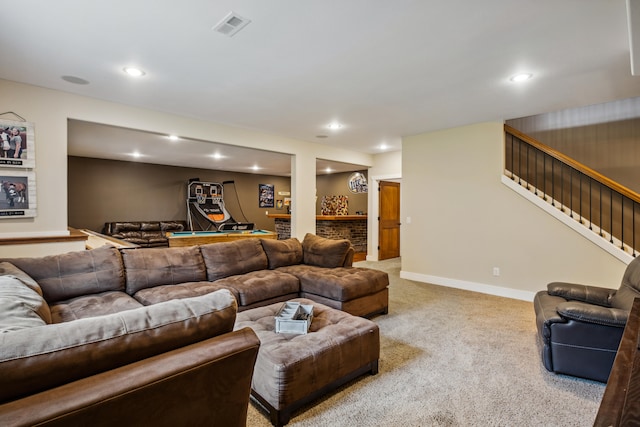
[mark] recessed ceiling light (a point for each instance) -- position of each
(328, 170)
(136, 154)
(217, 156)
(173, 137)
(134, 72)
(334, 126)
(383, 146)
(256, 167)
(521, 77)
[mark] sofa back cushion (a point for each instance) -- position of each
(21, 302)
(282, 253)
(629, 287)
(147, 268)
(73, 274)
(230, 258)
(36, 359)
(324, 252)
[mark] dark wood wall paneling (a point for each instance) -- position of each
(605, 137)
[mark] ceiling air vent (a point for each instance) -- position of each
(231, 24)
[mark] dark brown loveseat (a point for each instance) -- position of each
(147, 234)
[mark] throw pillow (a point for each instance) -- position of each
(21, 307)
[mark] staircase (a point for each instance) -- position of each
(600, 209)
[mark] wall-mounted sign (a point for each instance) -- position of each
(358, 183)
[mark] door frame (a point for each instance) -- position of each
(374, 212)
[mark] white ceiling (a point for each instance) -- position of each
(385, 69)
(102, 141)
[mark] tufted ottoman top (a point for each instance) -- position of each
(294, 369)
(341, 283)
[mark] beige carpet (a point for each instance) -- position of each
(453, 358)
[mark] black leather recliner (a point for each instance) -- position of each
(580, 326)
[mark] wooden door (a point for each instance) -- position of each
(389, 220)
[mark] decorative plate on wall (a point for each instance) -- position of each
(358, 183)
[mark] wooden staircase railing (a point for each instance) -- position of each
(604, 206)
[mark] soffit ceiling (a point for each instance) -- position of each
(383, 69)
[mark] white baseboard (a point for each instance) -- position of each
(469, 286)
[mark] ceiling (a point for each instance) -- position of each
(96, 140)
(382, 69)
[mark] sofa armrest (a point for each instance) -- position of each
(207, 383)
(585, 293)
(585, 312)
(348, 259)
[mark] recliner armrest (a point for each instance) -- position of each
(585, 293)
(584, 312)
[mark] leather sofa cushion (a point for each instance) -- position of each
(281, 253)
(20, 306)
(261, 285)
(340, 283)
(182, 290)
(324, 252)
(92, 305)
(232, 258)
(77, 273)
(40, 358)
(147, 268)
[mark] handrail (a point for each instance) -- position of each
(608, 208)
(617, 187)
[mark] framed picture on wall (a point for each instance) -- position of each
(265, 195)
(17, 144)
(18, 194)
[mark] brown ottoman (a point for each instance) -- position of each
(292, 370)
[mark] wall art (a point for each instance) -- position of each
(18, 194)
(17, 144)
(265, 195)
(358, 183)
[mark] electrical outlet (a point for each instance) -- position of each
(496, 271)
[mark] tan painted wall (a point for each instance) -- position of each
(465, 221)
(107, 190)
(337, 185)
(50, 110)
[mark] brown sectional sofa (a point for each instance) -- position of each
(103, 335)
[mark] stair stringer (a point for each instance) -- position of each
(574, 223)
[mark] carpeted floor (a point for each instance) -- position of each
(453, 358)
